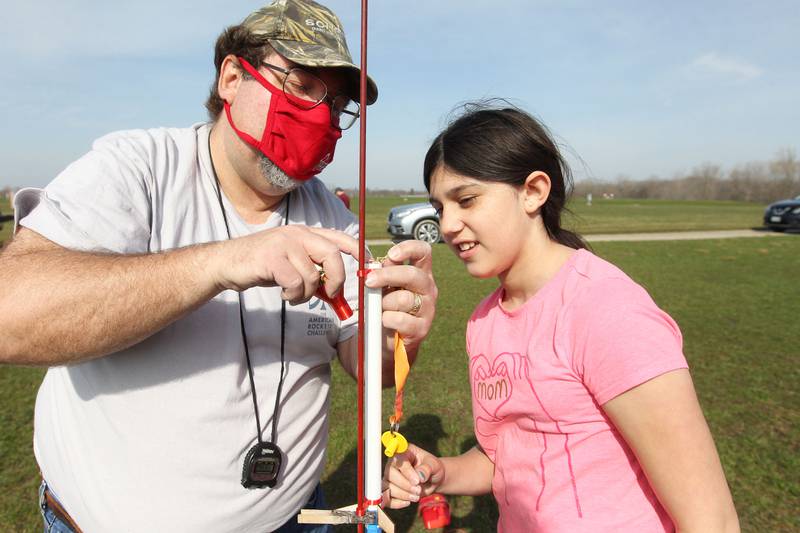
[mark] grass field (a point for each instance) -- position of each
(603, 216)
(611, 216)
(5, 231)
(736, 300)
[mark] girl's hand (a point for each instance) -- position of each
(410, 475)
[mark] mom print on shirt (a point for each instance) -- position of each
(515, 428)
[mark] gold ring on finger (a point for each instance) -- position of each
(417, 305)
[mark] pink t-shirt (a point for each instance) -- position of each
(539, 375)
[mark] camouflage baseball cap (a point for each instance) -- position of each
(309, 34)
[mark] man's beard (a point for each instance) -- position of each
(275, 176)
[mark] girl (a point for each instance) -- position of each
(584, 410)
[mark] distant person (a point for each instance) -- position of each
(583, 407)
(167, 278)
(589, 198)
(343, 197)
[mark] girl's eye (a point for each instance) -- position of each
(466, 202)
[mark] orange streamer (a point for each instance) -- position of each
(401, 369)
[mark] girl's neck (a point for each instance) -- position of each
(539, 261)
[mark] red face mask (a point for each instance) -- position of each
(300, 141)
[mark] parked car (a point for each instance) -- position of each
(417, 221)
(783, 215)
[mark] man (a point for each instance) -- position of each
(167, 278)
(342, 196)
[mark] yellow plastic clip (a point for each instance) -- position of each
(394, 443)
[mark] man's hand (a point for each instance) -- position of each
(59, 311)
(409, 304)
(411, 307)
(286, 257)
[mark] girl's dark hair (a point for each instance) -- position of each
(505, 144)
(239, 41)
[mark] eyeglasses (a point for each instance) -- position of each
(308, 89)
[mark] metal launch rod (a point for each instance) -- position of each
(366, 512)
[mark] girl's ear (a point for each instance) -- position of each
(230, 76)
(535, 191)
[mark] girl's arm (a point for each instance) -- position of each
(416, 473)
(662, 422)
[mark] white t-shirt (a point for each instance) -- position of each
(152, 438)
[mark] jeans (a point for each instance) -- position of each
(52, 524)
(316, 501)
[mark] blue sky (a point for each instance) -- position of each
(629, 88)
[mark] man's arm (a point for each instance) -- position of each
(60, 306)
(416, 277)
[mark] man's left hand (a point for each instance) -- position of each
(410, 307)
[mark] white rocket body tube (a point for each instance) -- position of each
(373, 372)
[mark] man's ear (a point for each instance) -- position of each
(535, 191)
(230, 76)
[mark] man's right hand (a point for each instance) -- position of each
(286, 257)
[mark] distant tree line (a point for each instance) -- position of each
(7, 193)
(762, 182)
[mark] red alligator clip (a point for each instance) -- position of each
(338, 302)
(434, 510)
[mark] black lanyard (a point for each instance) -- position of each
(262, 463)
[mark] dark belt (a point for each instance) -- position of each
(60, 512)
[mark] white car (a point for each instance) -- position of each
(418, 221)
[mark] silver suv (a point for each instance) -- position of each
(419, 221)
